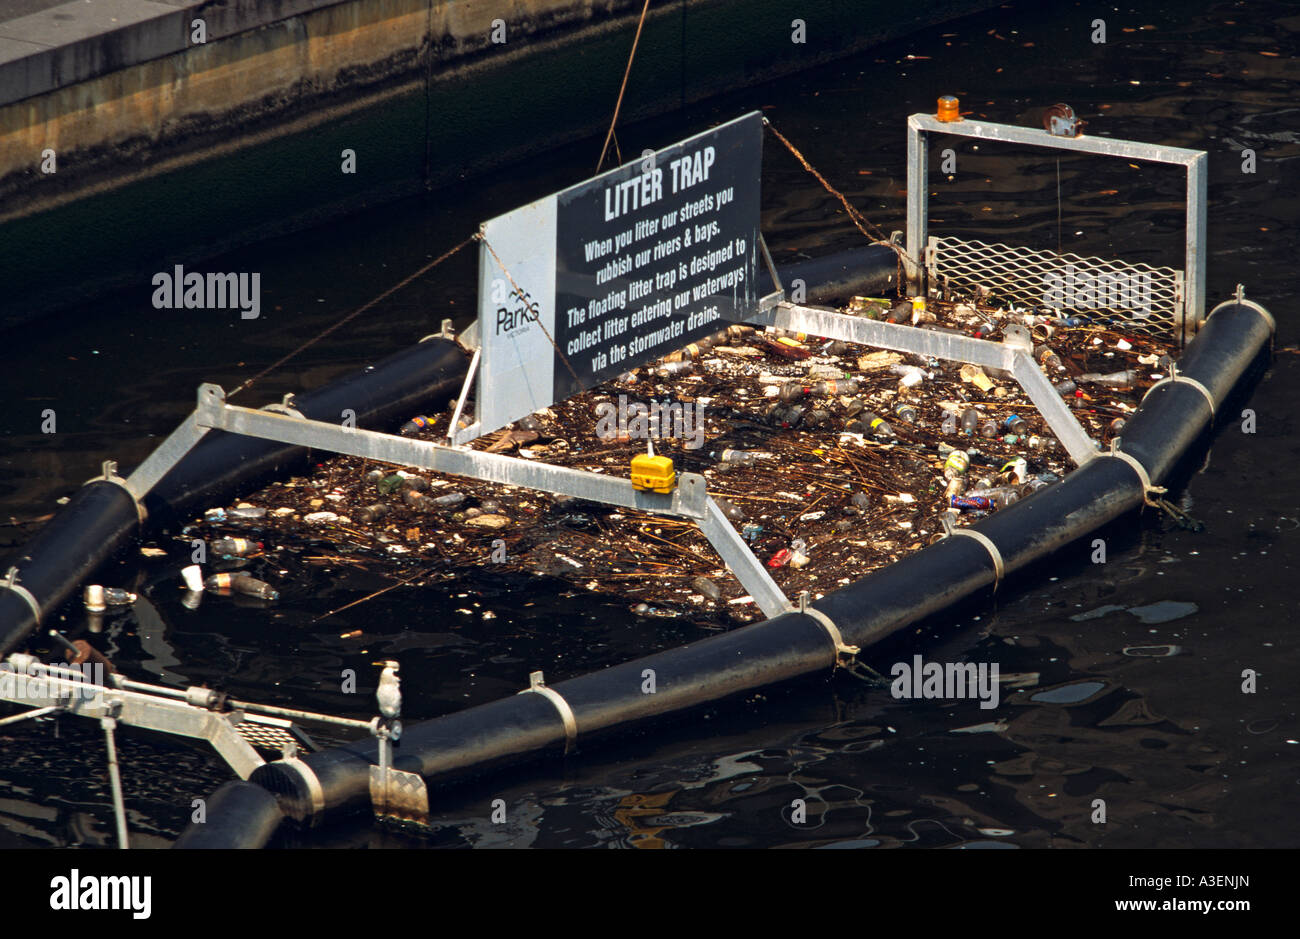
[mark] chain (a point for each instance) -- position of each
(860, 221)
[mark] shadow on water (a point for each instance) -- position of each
(1121, 682)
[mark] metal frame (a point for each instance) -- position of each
(1014, 354)
(920, 126)
(198, 713)
(690, 499)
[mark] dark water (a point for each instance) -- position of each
(1138, 698)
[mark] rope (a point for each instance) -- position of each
(353, 315)
(875, 236)
(619, 103)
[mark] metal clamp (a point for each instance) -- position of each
(308, 776)
(844, 653)
(285, 407)
(1174, 376)
(110, 476)
(999, 569)
(1147, 489)
(537, 684)
(1239, 299)
(10, 582)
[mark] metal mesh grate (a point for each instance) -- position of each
(263, 734)
(1143, 298)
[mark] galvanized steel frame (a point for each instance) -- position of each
(689, 499)
(920, 126)
(1013, 354)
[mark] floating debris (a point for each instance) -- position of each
(856, 454)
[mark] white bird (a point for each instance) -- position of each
(389, 693)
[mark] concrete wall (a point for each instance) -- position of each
(124, 82)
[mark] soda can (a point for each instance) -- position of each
(971, 503)
(957, 463)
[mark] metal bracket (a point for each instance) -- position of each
(537, 685)
(1240, 300)
(771, 268)
(109, 475)
(10, 582)
(284, 407)
(844, 653)
(999, 569)
(1147, 489)
(1184, 380)
(452, 429)
(395, 793)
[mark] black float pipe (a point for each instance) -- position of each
(102, 516)
(866, 271)
(1169, 420)
(238, 815)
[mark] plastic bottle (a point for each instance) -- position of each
(242, 583)
(745, 457)
(1041, 443)
(785, 415)
(730, 510)
(855, 407)
(1015, 424)
(449, 500)
(838, 387)
(877, 424)
(415, 500)
(989, 429)
(706, 587)
(372, 513)
(416, 424)
(1050, 360)
(416, 483)
(116, 596)
(1122, 379)
(792, 391)
(817, 418)
(1066, 388)
(1000, 496)
(969, 421)
(672, 369)
(905, 413)
(234, 547)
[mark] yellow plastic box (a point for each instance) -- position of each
(653, 472)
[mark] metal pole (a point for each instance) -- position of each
(1194, 231)
(918, 159)
(115, 779)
